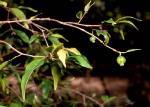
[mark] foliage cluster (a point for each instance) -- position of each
(33, 58)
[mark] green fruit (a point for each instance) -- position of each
(121, 60)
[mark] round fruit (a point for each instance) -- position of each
(121, 60)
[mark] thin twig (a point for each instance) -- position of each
(85, 12)
(14, 57)
(82, 17)
(84, 96)
(5, 32)
(39, 26)
(25, 27)
(20, 53)
(43, 35)
(8, 20)
(85, 25)
(42, 29)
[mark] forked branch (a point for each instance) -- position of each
(74, 25)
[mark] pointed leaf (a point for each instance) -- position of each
(54, 41)
(4, 84)
(59, 36)
(23, 36)
(99, 32)
(27, 8)
(132, 50)
(46, 87)
(56, 75)
(2, 65)
(36, 63)
(105, 34)
(128, 17)
(110, 21)
(106, 41)
(73, 50)
(122, 34)
(54, 38)
(128, 22)
(79, 14)
(20, 15)
(82, 60)
(102, 32)
(62, 54)
(87, 6)
(33, 38)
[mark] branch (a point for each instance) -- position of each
(42, 29)
(69, 24)
(20, 53)
(84, 96)
(85, 25)
(87, 97)
(85, 12)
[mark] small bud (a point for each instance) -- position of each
(92, 39)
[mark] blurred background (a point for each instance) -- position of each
(102, 57)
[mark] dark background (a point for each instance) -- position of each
(137, 67)
(103, 59)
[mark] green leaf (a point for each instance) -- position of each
(79, 14)
(92, 39)
(74, 51)
(122, 34)
(87, 7)
(106, 37)
(56, 75)
(34, 64)
(15, 105)
(33, 38)
(54, 38)
(110, 21)
(98, 32)
(82, 60)
(46, 87)
(24, 37)
(27, 8)
(2, 106)
(107, 98)
(128, 22)
(105, 34)
(2, 65)
(3, 3)
(128, 17)
(102, 32)
(20, 15)
(62, 54)
(132, 50)
(4, 84)
(59, 36)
